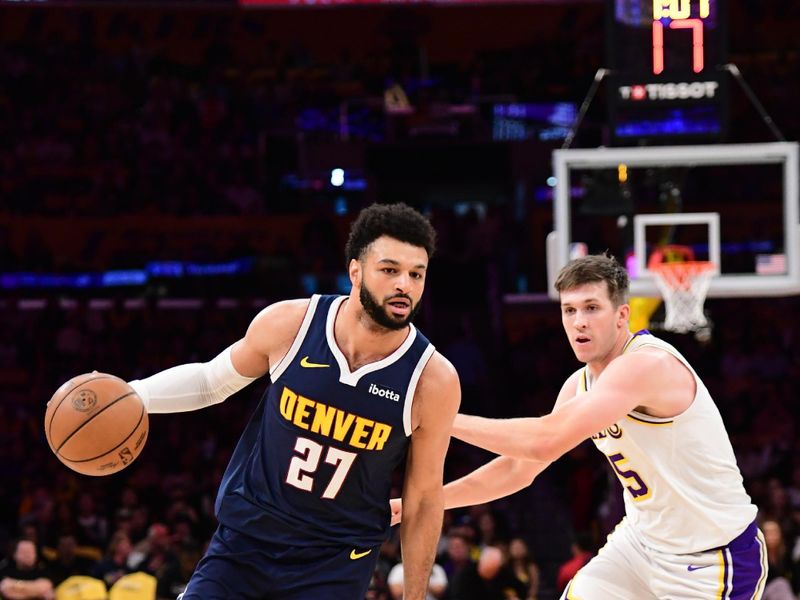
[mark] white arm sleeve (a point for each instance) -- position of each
(192, 386)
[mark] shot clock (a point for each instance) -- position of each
(666, 83)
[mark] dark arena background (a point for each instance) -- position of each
(167, 169)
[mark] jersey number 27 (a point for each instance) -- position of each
(303, 466)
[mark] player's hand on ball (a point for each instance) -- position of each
(396, 505)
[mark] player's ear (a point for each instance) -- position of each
(624, 314)
(355, 273)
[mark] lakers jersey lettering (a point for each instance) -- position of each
(358, 432)
(615, 431)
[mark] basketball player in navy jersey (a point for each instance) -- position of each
(304, 503)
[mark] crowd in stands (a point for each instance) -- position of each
(176, 113)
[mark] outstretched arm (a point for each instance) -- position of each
(631, 380)
(499, 478)
(436, 403)
(504, 475)
(197, 385)
(496, 479)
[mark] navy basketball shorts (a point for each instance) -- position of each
(625, 569)
(237, 566)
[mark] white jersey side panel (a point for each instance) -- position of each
(683, 489)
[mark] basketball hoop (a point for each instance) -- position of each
(684, 286)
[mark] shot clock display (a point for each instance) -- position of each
(665, 81)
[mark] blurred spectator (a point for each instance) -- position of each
(775, 506)
(581, 554)
(461, 569)
(437, 584)
(186, 547)
(499, 582)
(23, 577)
(524, 568)
(155, 556)
(138, 523)
(491, 529)
(92, 525)
(67, 560)
(115, 563)
(778, 586)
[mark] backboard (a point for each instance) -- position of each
(735, 205)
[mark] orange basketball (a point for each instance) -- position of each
(96, 424)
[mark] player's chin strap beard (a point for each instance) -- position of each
(378, 313)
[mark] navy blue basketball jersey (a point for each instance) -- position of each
(315, 463)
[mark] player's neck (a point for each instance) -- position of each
(598, 366)
(361, 340)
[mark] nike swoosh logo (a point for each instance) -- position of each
(693, 568)
(310, 365)
(356, 555)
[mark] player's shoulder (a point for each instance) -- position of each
(438, 391)
(653, 365)
(439, 371)
(439, 378)
(646, 356)
(282, 316)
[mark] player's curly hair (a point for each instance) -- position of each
(593, 269)
(398, 221)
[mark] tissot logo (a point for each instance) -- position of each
(669, 91)
(383, 392)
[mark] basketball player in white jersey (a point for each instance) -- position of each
(689, 530)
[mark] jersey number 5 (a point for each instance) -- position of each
(303, 466)
(638, 487)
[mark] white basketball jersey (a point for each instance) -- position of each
(683, 489)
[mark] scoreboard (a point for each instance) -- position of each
(665, 58)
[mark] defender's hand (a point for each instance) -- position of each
(396, 505)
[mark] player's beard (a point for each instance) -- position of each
(380, 315)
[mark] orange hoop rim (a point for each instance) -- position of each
(693, 266)
(677, 274)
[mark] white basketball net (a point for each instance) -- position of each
(684, 286)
